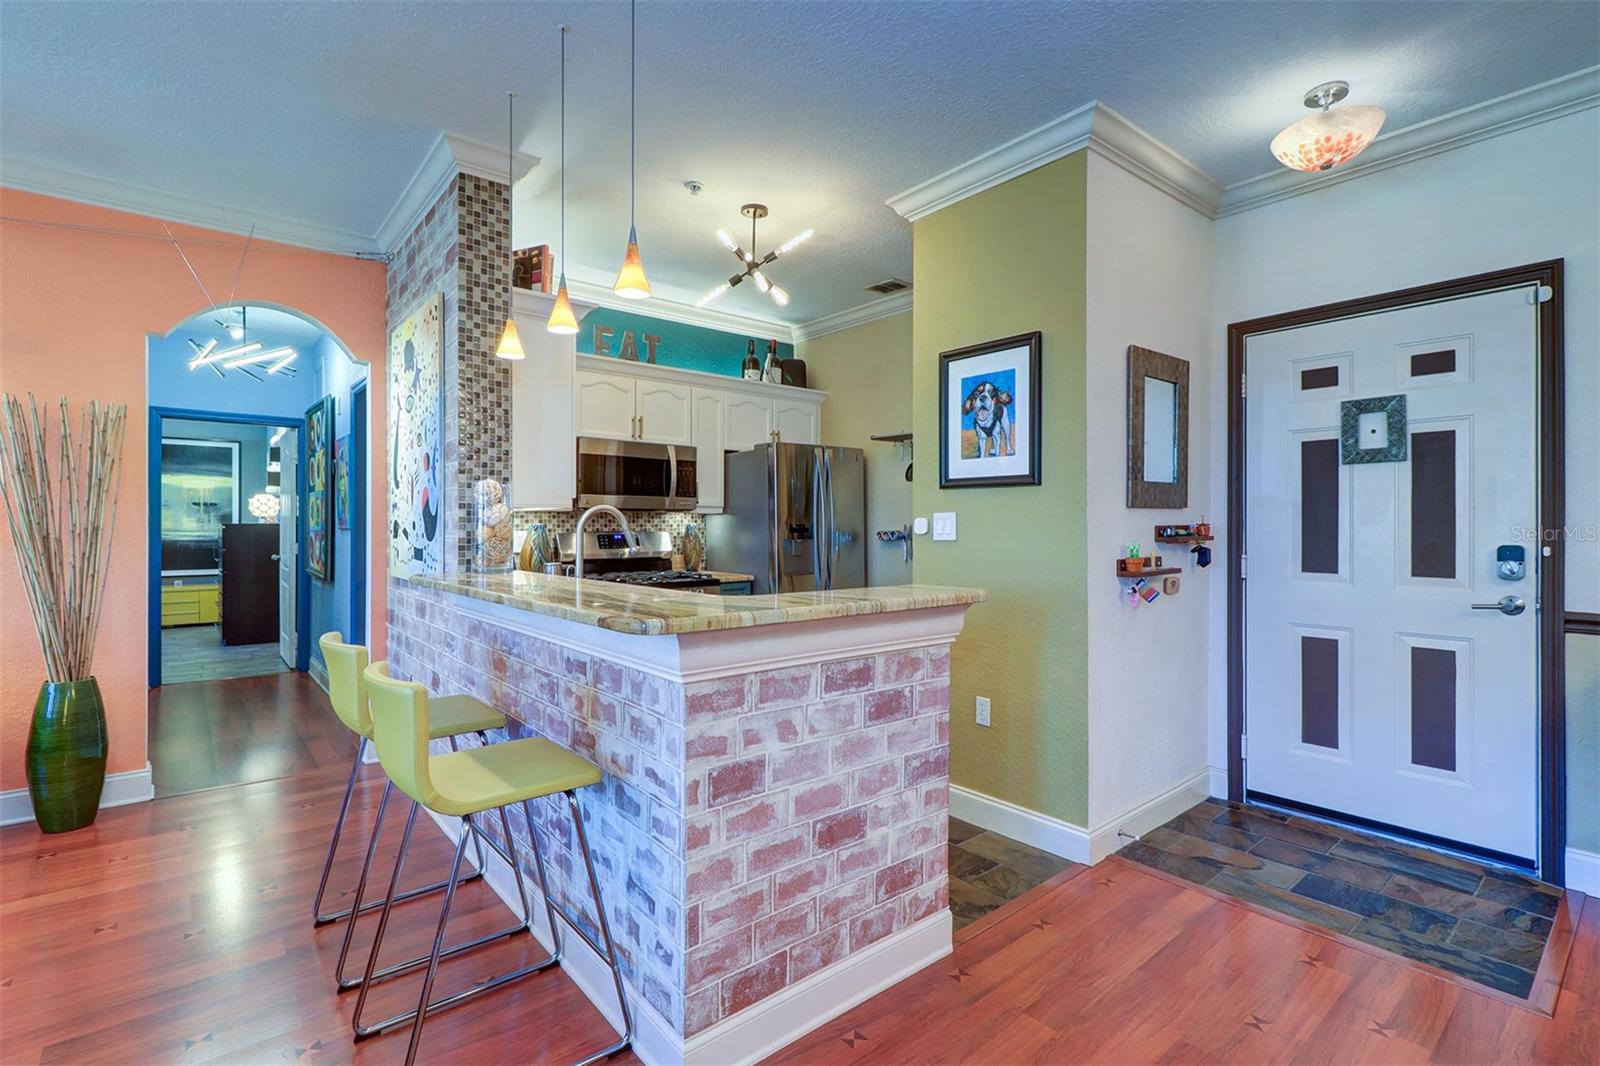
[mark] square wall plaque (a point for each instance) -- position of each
(1373, 430)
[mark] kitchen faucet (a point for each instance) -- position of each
(583, 520)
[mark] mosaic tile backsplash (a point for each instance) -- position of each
(673, 522)
(749, 831)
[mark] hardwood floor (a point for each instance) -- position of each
(1118, 964)
(179, 931)
(210, 733)
(196, 653)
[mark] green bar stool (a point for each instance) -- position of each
(466, 785)
(452, 716)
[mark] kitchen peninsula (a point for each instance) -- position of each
(771, 832)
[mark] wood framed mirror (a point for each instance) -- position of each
(1158, 429)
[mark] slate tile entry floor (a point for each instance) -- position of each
(1483, 923)
(988, 870)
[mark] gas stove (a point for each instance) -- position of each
(689, 580)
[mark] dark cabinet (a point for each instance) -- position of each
(249, 583)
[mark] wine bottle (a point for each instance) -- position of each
(752, 369)
(773, 371)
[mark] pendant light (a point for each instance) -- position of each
(562, 320)
(631, 282)
(510, 346)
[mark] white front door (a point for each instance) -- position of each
(1373, 686)
(288, 560)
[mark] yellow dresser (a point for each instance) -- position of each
(190, 605)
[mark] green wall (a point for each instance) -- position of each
(1012, 260)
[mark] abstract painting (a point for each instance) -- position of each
(989, 413)
(416, 427)
(341, 481)
(319, 489)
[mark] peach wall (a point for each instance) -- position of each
(75, 308)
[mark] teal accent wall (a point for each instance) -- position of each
(711, 351)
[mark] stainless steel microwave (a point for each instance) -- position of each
(636, 476)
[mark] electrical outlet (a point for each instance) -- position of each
(983, 710)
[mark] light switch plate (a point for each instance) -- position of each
(944, 525)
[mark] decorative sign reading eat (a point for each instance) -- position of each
(629, 349)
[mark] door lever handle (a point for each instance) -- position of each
(1505, 605)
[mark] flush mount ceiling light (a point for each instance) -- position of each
(510, 346)
(631, 282)
(752, 265)
(1328, 138)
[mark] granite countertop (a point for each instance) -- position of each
(644, 611)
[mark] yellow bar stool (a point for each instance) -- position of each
(466, 785)
(453, 716)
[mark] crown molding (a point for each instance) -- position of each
(1549, 100)
(898, 303)
(50, 180)
(449, 155)
(1094, 125)
(670, 310)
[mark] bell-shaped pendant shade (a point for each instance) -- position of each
(562, 320)
(1324, 140)
(631, 282)
(510, 346)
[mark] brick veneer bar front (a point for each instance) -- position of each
(751, 830)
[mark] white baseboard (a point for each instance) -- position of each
(319, 673)
(1140, 819)
(130, 786)
(1218, 786)
(1019, 823)
(751, 1034)
(1583, 871)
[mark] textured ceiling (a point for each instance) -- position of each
(322, 112)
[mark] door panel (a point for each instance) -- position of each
(749, 422)
(1373, 687)
(796, 423)
(288, 563)
(709, 412)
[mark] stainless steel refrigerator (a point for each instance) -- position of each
(794, 515)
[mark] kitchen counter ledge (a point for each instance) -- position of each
(644, 611)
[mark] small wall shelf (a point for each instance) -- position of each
(1157, 571)
(1186, 538)
(892, 438)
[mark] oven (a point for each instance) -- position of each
(636, 476)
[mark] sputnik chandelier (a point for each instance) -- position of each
(752, 265)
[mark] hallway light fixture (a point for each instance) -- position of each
(631, 282)
(562, 320)
(510, 346)
(1328, 138)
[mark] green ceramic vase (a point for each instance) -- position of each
(67, 754)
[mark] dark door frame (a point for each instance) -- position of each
(302, 592)
(1552, 499)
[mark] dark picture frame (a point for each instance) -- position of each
(1147, 364)
(990, 406)
(318, 467)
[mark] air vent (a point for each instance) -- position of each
(886, 287)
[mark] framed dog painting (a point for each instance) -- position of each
(989, 404)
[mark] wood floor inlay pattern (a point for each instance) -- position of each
(1479, 922)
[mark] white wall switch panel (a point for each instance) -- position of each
(983, 710)
(944, 525)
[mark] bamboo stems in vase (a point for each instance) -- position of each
(62, 513)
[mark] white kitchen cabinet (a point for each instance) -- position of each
(748, 422)
(543, 459)
(606, 406)
(797, 422)
(709, 408)
(665, 411)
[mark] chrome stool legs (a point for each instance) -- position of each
(426, 1006)
(318, 917)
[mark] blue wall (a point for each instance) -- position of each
(172, 384)
(330, 601)
(711, 351)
